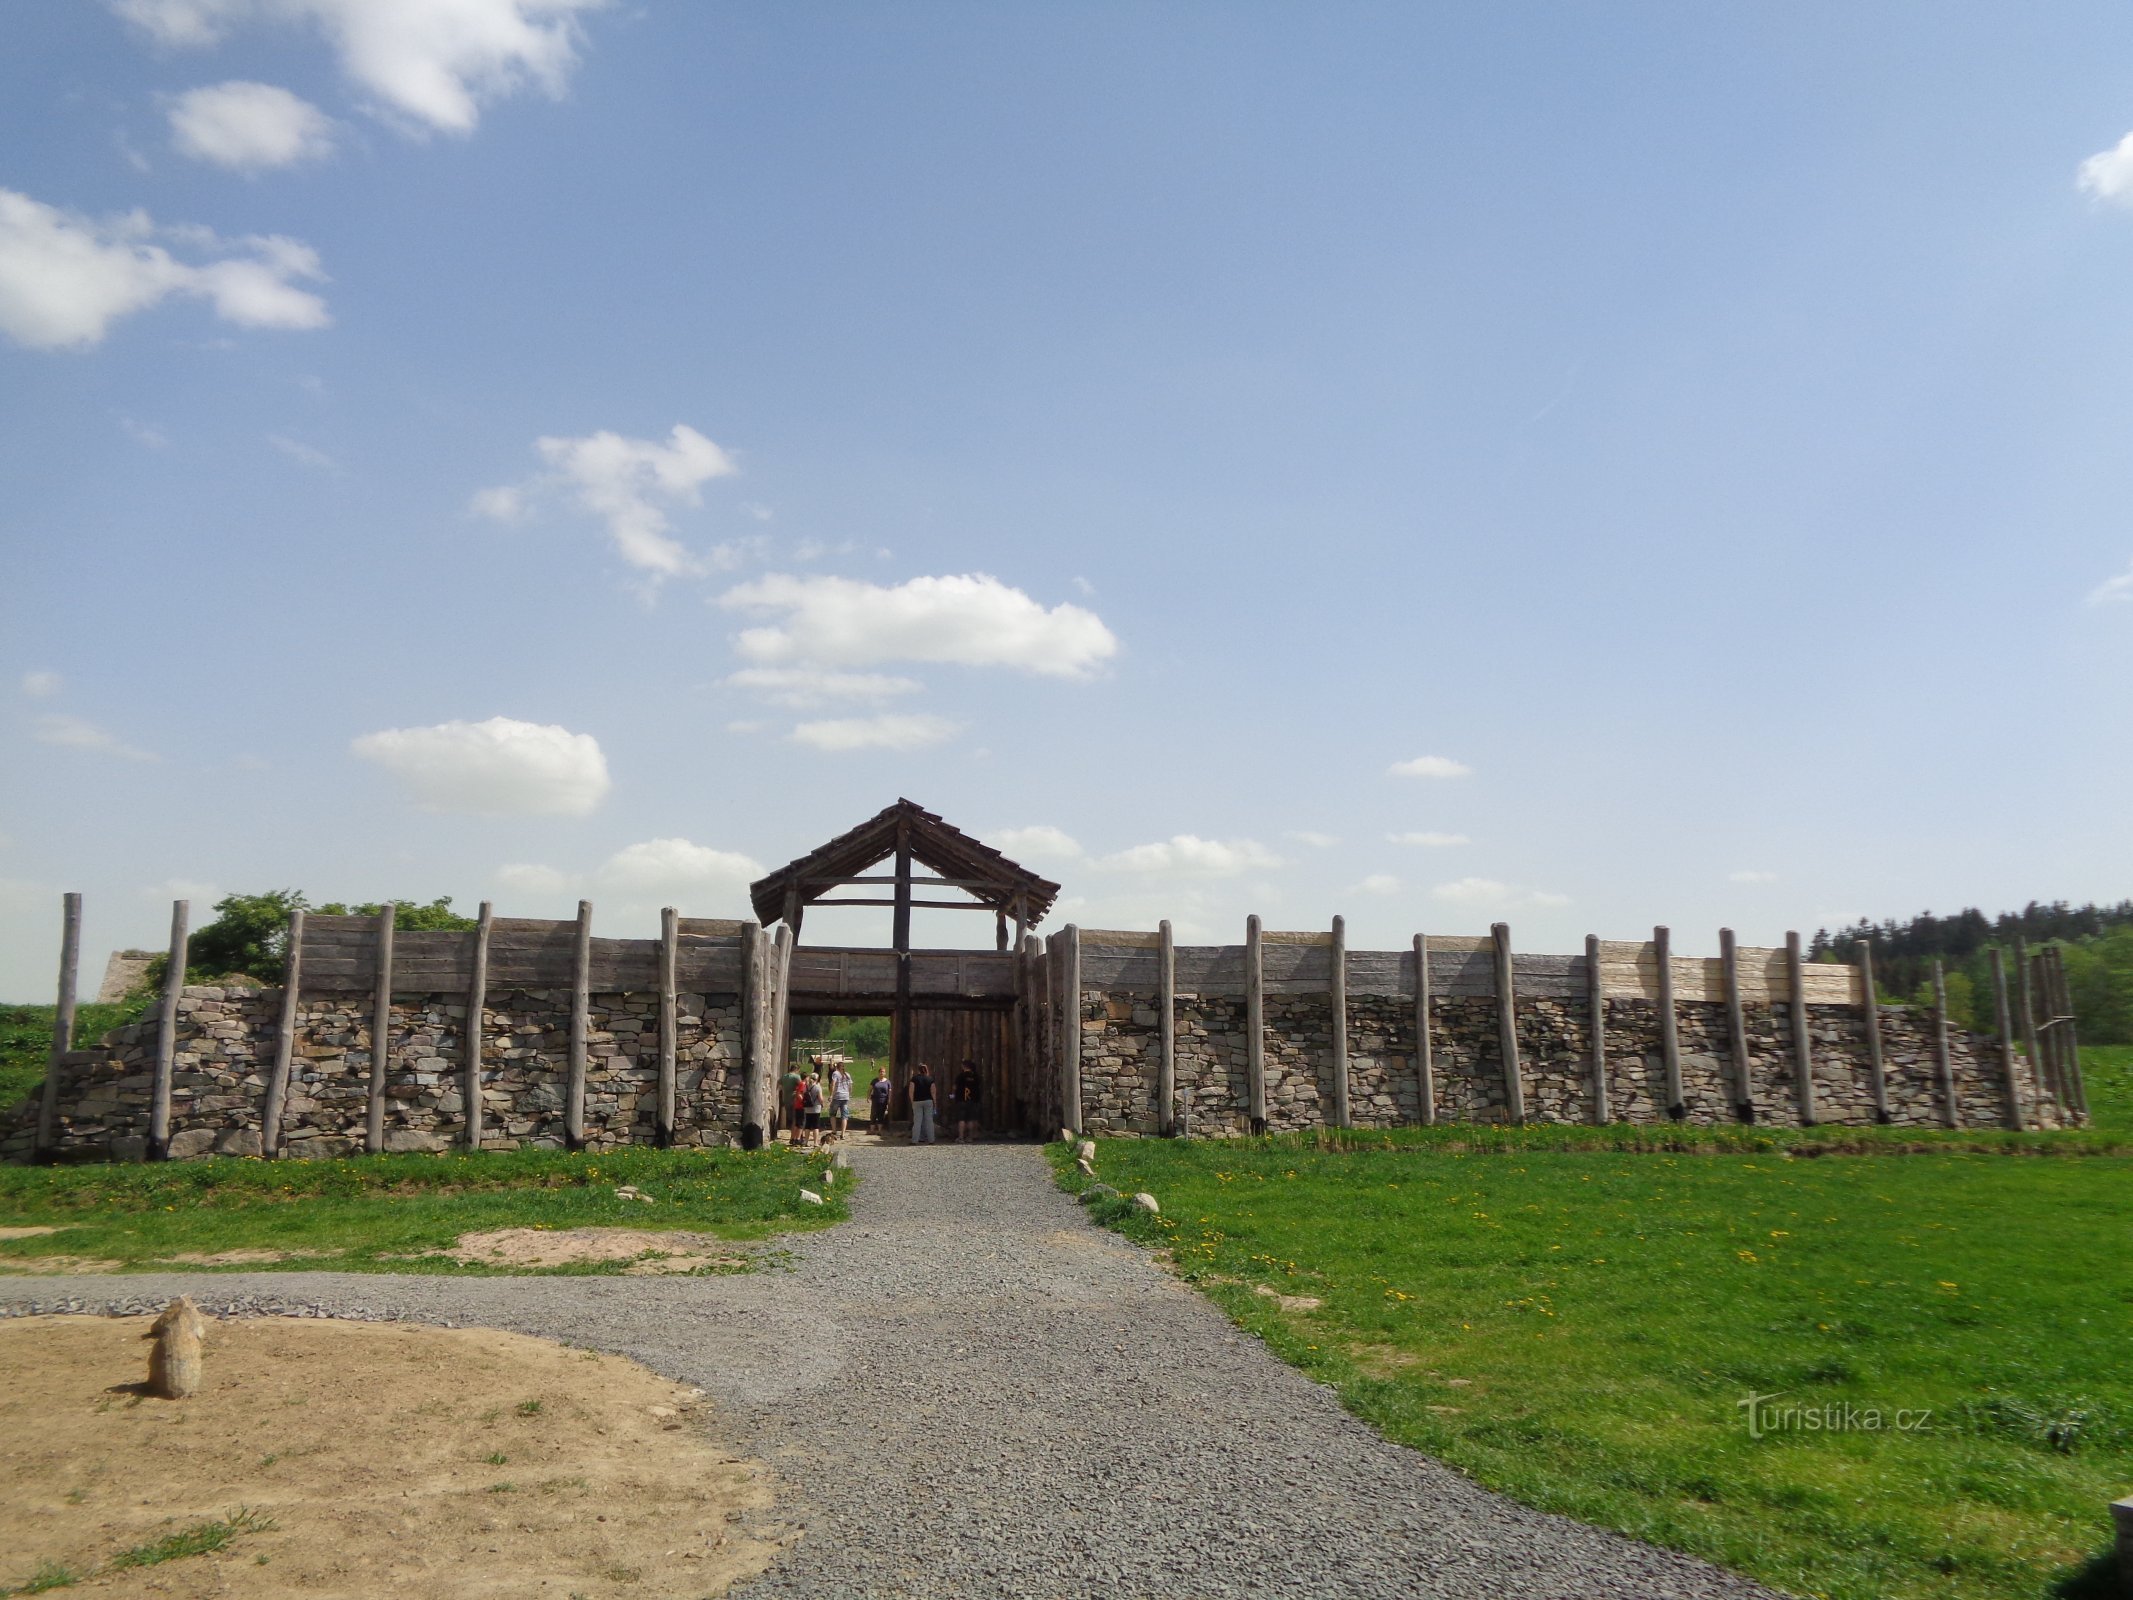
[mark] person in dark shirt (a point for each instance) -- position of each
(963, 1105)
(922, 1107)
(879, 1102)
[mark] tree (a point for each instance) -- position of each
(250, 933)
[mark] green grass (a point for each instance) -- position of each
(382, 1212)
(26, 1041)
(1578, 1326)
(204, 1539)
(2107, 1075)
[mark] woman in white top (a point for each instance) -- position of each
(840, 1099)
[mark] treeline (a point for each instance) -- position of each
(250, 933)
(2096, 945)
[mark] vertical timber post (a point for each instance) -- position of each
(1736, 1028)
(1802, 1043)
(669, 940)
(1254, 1026)
(1943, 1070)
(2026, 1014)
(1669, 1024)
(1337, 1003)
(1596, 1002)
(478, 1024)
(62, 1021)
(1514, 1087)
(292, 981)
(1167, 1121)
(2005, 1019)
(580, 1026)
(167, 1032)
(756, 1125)
(2063, 1029)
(381, 1033)
(1425, 1065)
(1072, 944)
(1877, 1076)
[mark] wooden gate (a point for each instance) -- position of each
(944, 1039)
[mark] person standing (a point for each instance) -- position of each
(840, 1088)
(789, 1101)
(882, 1093)
(811, 1105)
(922, 1106)
(965, 1098)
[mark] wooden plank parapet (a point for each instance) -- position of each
(381, 1030)
(62, 1021)
(1254, 1024)
(292, 983)
(1071, 945)
(1877, 1077)
(1514, 1087)
(1596, 1021)
(1736, 1027)
(1669, 1024)
(1943, 1069)
(2015, 1118)
(580, 1024)
(663, 1130)
(1337, 1005)
(477, 1022)
(1802, 1040)
(1167, 1120)
(1425, 1065)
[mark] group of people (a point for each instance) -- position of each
(962, 1104)
(820, 1109)
(818, 1103)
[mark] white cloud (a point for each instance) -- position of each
(1379, 883)
(806, 687)
(500, 767)
(1313, 838)
(1486, 894)
(1751, 875)
(503, 504)
(78, 733)
(629, 484)
(668, 871)
(1430, 841)
(746, 726)
(40, 685)
(531, 878)
(2108, 175)
(969, 620)
(201, 893)
(898, 731)
(433, 62)
(64, 278)
(1430, 767)
(1188, 855)
(249, 127)
(304, 454)
(2119, 588)
(1039, 842)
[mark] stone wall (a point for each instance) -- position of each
(225, 1053)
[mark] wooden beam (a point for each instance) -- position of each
(1514, 1087)
(1877, 1077)
(993, 884)
(2073, 1037)
(926, 905)
(2026, 1015)
(477, 1024)
(292, 982)
(756, 1126)
(167, 1032)
(1803, 1062)
(1736, 1028)
(381, 1032)
(1254, 1027)
(1425, 1066)
(62, 1022)
(1669, 1025)
(580, 1027)
(1337, 1004)
(1943, 1070)
(1166, 1011)
(2005, 1019)
(669, 1037)
(900, 931)
(1073, 1037)
(1596, 1024)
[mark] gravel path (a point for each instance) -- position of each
(971, 1392)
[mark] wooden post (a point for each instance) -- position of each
(62, 1021)
(1596, 1022)
(1425, 1065)
(2007, 1049)
(1514, 1088)
(1254, 1026)
(2069, 1040)
(381, 1033)
(580, 1026)
(1877, 1078)
(756, 1124)
(900, 939)
(1669, 1025)
(1166, 1004)
(1073, 1034)
(1337, 1003)
(2026, 1014)
(669, 1040)
(1802, 1042)
(477, 1025)
(167, 1032)
(778, 994)
(292, 980)
(1736, 1028)
(1943, 1070)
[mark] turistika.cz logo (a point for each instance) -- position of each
(1765, 1416)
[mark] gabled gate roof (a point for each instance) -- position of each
(976, 867)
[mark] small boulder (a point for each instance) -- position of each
(1087, 1171)
(1066, 1135)
(829, 1176)
(1146, 1202)
(840, 1160)
(174, 1359)
(1086, 1150)
(810, 1197)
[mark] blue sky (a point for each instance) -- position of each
(524, 449)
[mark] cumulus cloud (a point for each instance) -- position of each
(531, 878)
(78, 733)
(804, 688)
(629, 484)
(40, 685)
(968, 620)
(1430, 841)
(893, 731)
(501, 767)
(1188, 855)
(1379, 883)
(2108, 175)
(248, 127)
(2119, 588)
(1486, 894)
(1751, 875)
(1313, 838)
(64, 278)
(1038, 842)
(432, 63)
(1430, 767)
(506, 503)
(669, 871)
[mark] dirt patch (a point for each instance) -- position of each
(389, 1460)
(1289, 1302)
(59, 1264)
(245, 1258)
(648, 1251)
(25, 1233)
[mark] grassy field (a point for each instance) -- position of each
(1579, 1328)
(381, 1213)
(2107, 1075)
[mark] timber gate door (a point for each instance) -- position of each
(944, 1039)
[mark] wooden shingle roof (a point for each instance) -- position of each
(985, 873)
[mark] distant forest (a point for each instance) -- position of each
(2098, 951)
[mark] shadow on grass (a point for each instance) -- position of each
(2098, 1579)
